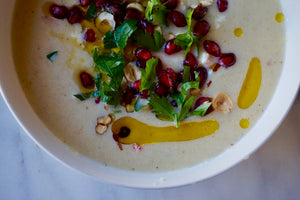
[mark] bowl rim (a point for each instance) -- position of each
(230, 157)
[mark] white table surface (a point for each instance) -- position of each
(271, 173)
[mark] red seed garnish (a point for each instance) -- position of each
(118, 11)
(87, 80)
(90, 35)
(171, 47)
(200, 101)
(201, 28)
(190, 60)
(146, 26)
(171, 4)
(161, 90)
(143, 54)
(158, 67)
(227, 59)
(202, 74)
(128, 97)
(100, 3)
(75, 15)
(165, 79)
(212, 48)
(144, 94)
(136, 85)
(59, 12)
(177, 18)
(97, 100)
(222, 5)
(171, 74)
(199, 12)
(132, 14)
(85, 3)
(208, 84)
(141, 64)
(216, 67)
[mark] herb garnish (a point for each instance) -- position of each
(156, 11)
(91, 12)
(124, 31)
(148, 77)
(52, 55)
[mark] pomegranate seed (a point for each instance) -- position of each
(136, 85)
(227, 60)
(132, 14)
(100, 3)
(171, 4)
(144, 94)
(128, 97)
(118, 11)
(146, 26)
(179, 76)
(202, 74)
(208, 84)
(161, 90)
(59, 12)
(165, 79)
(212, 48)
(200, 101)
(90, 35)
(190, 60)
(143, 54)
(85, 3)
(171, 74)
(158, 67)
(87, 80)
(97, 100)
(177, 18)
(199, 12)
(75, 15)
(141, 64)
(171, 47)
(201, 28)
(222, 5)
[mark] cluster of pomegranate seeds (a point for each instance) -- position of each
(165, 79)
(222, 5)
(190, 60)
(171, 4)
(177, 18)
(201, 28)
(171, 47)
(75, 15)
(199, 12)
(59, 12)
(90, 35)
(87, 80)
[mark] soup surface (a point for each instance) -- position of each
(249, 29)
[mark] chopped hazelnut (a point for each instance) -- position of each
(222, 103)
(131, 72)
(104, 120)
(100, 129)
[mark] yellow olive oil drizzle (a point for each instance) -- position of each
(251, 85)
(142, 134)
(279, 17)
(244, 123)
(238, 32)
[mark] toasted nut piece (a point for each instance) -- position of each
(136, 6)
(195, 92)
(131, 72)
(222, 103)
(106, 120)
(100, 129)
(206, 3)
(105, 18)
(129, 108)
(170, 36)
(112, 116)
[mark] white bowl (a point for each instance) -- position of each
(273, 115)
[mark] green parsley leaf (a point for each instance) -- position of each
(91, 12)
(187, 86)
(109, 40)
(149, 10)
(140, 104)
(202, 109)
(197, 42)
(160, 14)
(188, 18)
(113, 65)
(98, 81)
(178, 98)
(186, 73)
(164, 117)
(52, 55)
(117, 111)
(124, 31)
(148, 77)
(161, 105)
(88, 95)
(111, 95)
(159, 40)
(186, 108)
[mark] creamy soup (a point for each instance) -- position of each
(249, 29)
